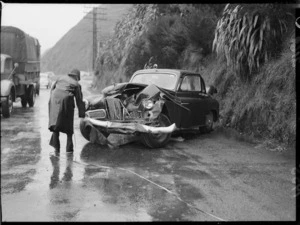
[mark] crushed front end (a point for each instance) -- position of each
(130, 109)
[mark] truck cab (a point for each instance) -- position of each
(6, 66)
(8, 91)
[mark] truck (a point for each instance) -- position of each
(20, 68)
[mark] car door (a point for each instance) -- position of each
(192, 96)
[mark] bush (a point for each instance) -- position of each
(249, 35)
(264, 108)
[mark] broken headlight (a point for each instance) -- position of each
(148, 104)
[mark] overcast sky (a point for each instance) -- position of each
(46, 22)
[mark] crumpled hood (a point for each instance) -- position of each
(143, 92)
(120, 87)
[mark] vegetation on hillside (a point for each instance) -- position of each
(248, 35)
(252, 70)
(171, 34)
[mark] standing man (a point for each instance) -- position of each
(61, 108)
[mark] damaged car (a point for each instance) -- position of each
(154, 104)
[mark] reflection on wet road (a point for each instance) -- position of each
(40, 185)
(186, 181)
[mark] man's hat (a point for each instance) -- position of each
(75, 72)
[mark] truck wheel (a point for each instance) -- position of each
(7, 106)
(38, 89)
(24, 101)
(31, 94)
(157, 140)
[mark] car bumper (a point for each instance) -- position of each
(131, 127)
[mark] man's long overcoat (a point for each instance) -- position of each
(61, 104)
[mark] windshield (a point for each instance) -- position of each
(6, 65)
(163, 80)
(2, 64)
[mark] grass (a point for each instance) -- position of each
(265, 108)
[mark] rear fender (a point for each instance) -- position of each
(6, 87)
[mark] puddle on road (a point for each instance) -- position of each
(81, 189)
(15, 182)
(25, 135)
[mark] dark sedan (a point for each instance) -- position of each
(153, 104)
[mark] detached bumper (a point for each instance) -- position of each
(132, 127)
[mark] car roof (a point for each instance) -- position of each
(176, 71)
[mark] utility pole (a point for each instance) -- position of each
(95, 31)
(94, 37)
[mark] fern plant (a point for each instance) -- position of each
(248, 35)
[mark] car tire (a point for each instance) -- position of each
(86, 130)
(7, 106)
(157, 140)
(209, 121)
(31, 95)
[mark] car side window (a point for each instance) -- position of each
(191, 83)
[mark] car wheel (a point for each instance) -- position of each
(157, 140)
(209, 121)
(31, 94)
(7, 106)
(85, 130)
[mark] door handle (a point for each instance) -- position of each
(185, 103)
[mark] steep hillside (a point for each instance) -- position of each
(265, 108)
(74, 49)
(252, 70)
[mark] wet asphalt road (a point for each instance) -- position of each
(209, 177)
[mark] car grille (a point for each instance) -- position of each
(135, 114)
(97, 114)
(114, 108)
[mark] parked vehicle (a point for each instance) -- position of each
(153, 104)
(20, 68)
(45, 80)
